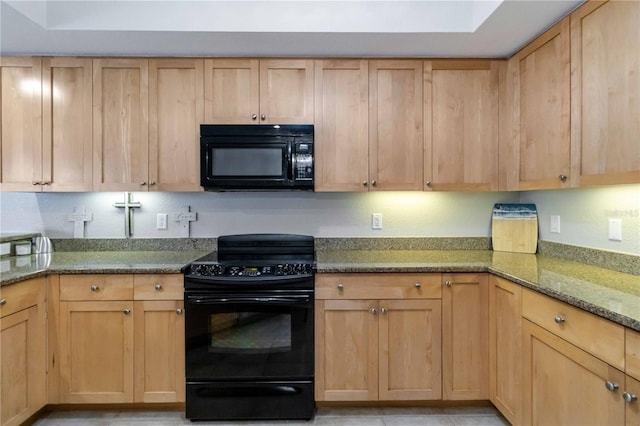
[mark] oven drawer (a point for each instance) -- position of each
(250, 400)
(158, 287)
(379, 286)
(96, 287)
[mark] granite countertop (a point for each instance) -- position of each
(609, 294)
(604, 292)
(18, 268)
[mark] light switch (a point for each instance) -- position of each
(161, 221)
(554, 226)
(615, 229)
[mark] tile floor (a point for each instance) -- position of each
(461, 416)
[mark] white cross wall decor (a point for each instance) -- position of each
(185, 217)
(79, 217)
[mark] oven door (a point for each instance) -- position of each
(249, 336)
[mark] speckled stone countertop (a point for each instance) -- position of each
(19, 268)
(609, 294)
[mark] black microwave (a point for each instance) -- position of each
(256, 157)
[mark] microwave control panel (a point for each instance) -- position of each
(303, 161)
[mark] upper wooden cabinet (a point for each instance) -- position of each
(121, 124)
(267, 91)
(395, 125)
(541, 83)
(46, 124)
(176, 110)
(461, 124)
(605, 93)
(341, 125)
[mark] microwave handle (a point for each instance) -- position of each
(290, 160)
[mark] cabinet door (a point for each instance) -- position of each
(410, 349)
(461, 125)
(159, 353)
(632, 410)
(505, 347)
(67, 144)
(120, 124)
(564, 385)
(542, 111)
(341, 125)
(286, 91)
(23, 377)
(21, 124)
(465, 336)
(176, 97)
(605, 93)
(96, 352)
(395, 125)
(346, 350)
(231, 91)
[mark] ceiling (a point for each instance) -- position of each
(266, 28)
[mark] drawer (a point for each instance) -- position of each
(378, 286)
(158, 287)
(21, 295)
(602, 338)
(96, 287)
(632, 353)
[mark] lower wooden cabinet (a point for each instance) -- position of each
(631, 396)
(505, 347)
(378, 349)
(117, 350)
(465, 336)
(564, 385)
(22, 351)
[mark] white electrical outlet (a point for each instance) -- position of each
(376, 220)
(615, 229)
(554, 225)
(161, 221)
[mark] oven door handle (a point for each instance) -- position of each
(269, 300)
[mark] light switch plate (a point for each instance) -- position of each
(615, 229)
(376, 220)
(161, 221)
(554, 225)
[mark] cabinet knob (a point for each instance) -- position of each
(340, 286)
(143, 183)
(559, 320)
(428, 183)
(263, 117)
(374, 311)
(46, 182)
(383, 310)
(447, 283)
(629, 397)
(254, 116)
(179, 311)
(562, 178)
(95, 288)
(611, 387)
(35, 182)
(417, 285)
(364, 183)
(3, 302)
(153, 182)
(127, 311)
(374, 183)
(158, 287)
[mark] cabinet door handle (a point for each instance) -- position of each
(263, 117)
(374, 311)
(374, 183)
(447, 283)
(153, 182)
(3, 302)
(383, 311)
(611, 387)
(254, 116)
(417, 285)
(127, 311)
(143, 183)
(559, 320)
(179, 311)
(629, 397)
(428, 183)
(95, 288)
(364, 183)
(340, 286)
(563, 178)
(35, 182)
(158, 287)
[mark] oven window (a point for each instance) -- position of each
(250, 332)
(247, 161)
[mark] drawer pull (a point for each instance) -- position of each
(158, 287)
(383, 310)
(611, 387)
(3, 302)
(629, 397)
(417, 285)
(179, 311)
(559, 320)
(340, 287)
(374, 311)
(95, 288)
(447, 283)
(127, 311)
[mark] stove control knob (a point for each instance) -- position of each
(301, 268)
(285, 269)
(201, 270)
(216, 270)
